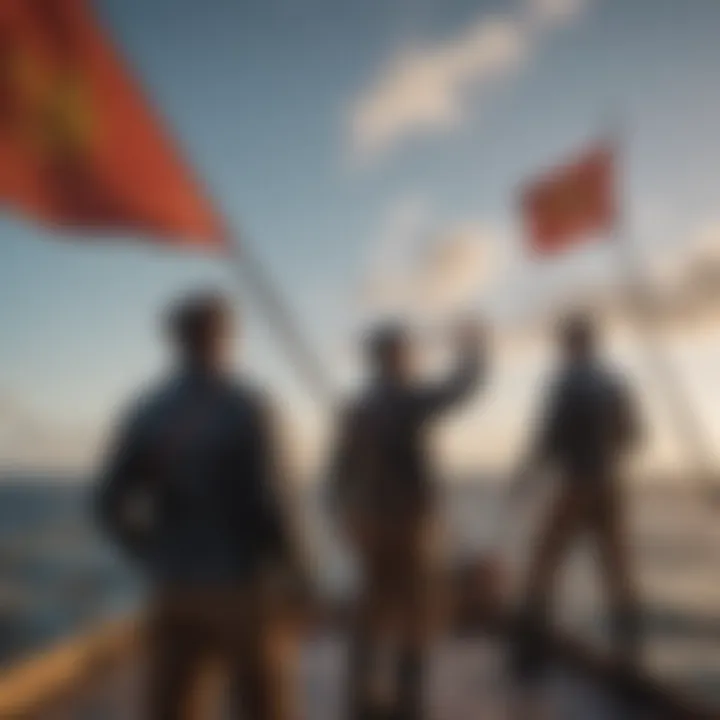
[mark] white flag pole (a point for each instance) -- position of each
(251, 273)
(640, 303)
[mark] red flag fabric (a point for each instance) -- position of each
(569, 204)
(79, 145)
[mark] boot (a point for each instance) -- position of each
(410, 685)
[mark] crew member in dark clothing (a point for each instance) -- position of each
(589, 426)
(192, 492)
(383, 491)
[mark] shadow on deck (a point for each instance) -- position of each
(99, 677)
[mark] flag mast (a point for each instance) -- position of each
(640, 301)
(129, 175)
(251, 272)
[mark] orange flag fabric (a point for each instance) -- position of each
(571, 203)
(79, 145)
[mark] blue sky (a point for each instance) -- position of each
(314, 124)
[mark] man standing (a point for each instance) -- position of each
(589, 425)
(383, 490)
(191, 491)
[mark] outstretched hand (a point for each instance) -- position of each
(471, 334)
(521, 481)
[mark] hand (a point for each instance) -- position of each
(290, 587)
(471, 334)
(519, 482)
(712, 495)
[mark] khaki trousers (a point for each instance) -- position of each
(595, 513)
(239, 631)
(397, 563)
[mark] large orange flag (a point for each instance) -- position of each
(572, 202)
(79, 146)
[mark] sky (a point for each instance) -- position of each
(337, 137)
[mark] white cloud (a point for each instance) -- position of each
(696, 287)
(425, 87)
(420, 271)
(385, 283)
(457, 267)
(551, 13)
(678, 285)
(705, 246)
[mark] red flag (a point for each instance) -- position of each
(568, 204)
(79, 146)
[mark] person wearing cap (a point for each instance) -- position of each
(192, 491)
(382, 490)
(588, 426)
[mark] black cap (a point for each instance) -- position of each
(385, 339)
(578, 331)
(196, 317)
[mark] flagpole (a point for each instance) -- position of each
(687, 419)
(250, 272)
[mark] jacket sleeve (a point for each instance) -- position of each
(551, 424)
(435, 398)
(628, 425)
(120, 479)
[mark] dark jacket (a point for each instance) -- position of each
(589, 423)
(191, 487)
(381, 462)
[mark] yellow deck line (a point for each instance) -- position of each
(63, 671)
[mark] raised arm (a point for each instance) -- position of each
(628, 423)
(469, 371)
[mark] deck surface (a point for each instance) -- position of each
(466, 681)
